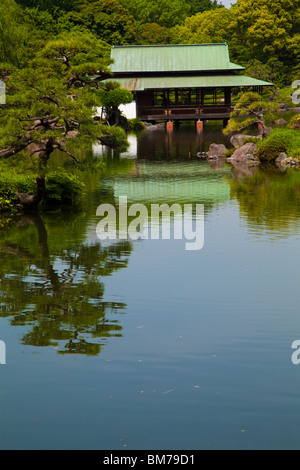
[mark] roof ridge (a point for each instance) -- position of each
(171, 45)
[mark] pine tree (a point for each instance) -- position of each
(51, 101)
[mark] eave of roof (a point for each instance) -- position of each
(154, 83)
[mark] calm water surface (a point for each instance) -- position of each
(143, 344)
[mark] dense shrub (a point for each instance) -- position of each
(295, 122)
(280, 140)
(270, 149)
(61, 187)
(114, 137)
(135, 124)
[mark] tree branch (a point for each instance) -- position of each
(10, 151)
(59, 147)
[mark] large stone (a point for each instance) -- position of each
(267, 131)
(281, 122)
(239, 139)
(289, 162)
(216, 150)
(282, 156)
(248, 152)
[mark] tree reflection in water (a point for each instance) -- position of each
(268, 197)
(55, 285)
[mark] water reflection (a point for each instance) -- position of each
(268, 198)
(181, 144)
(53, 267)
(53, 282)
(167, 169)
(156, 143)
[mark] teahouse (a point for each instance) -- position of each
(180, 82)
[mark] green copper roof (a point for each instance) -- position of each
(138, 84)
(171, 58)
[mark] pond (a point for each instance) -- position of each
(143, 344)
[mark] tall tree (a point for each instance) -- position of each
(166, 13)
(153, 33)
(51, 101)
(198, 6)
(268, 29)
(50, 5)
(108, 19)
(207, 27)
(13, 32)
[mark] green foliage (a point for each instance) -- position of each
(262, 35)
(49, 105)
(268, 29)
(15, 180)
(229, 152)
(270, 149)
(135, 124)
(6, 201)
(45, 21)
(49, 5)
(53, 96)
(113, 98)
(198, 6)
(166, 13)
(280, 140)
(270, 199)
(153, 33)
(107, 19)
(295, 122)
(273, 71)
(62, 187)
(114, 137)
(207, 27)
(13, 33)
(249, 110)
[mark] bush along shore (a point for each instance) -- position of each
(62, 187)
(280, 146)
(261, 143)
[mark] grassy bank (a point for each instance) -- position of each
(281, 140)
(61, 186)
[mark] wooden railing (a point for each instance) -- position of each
(191, 112)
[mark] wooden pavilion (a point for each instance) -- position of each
(180, 82)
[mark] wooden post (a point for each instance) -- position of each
(260, 126)
(199, 126)
(169, 126)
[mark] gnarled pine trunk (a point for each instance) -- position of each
(33, 200)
